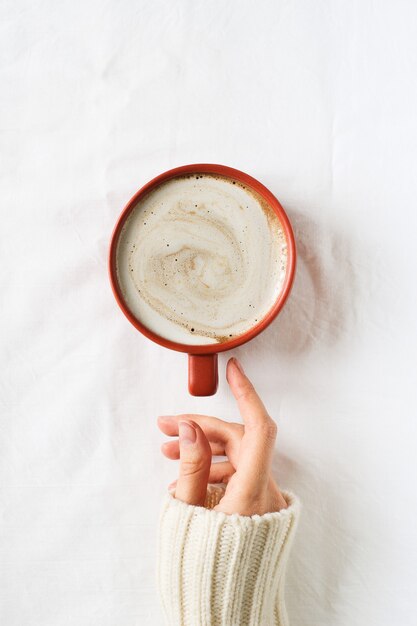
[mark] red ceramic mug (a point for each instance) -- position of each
(202, 359)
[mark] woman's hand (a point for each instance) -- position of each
(250, 487)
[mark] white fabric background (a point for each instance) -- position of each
(316, 99)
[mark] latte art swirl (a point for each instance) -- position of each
(201, 259)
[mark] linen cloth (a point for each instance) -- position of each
(318, 101)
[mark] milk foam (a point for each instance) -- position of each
(201, 259)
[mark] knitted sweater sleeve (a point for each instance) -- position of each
(215, 569)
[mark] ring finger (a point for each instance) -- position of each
(171, 449)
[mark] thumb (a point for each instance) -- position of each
(195, 462)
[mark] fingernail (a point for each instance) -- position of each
(172, 485)
(239, 366)
(187, 433)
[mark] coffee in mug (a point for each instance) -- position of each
(201, 260)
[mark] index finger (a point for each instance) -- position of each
(257, 446)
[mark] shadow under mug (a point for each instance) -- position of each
(202, 359)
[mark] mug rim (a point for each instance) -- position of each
(273, 202)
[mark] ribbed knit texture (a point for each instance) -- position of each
(216, 569)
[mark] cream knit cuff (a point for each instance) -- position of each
(216, 569)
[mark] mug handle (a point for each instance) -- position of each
(202, 374)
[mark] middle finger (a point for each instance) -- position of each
(215, 429)
(171, 449)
